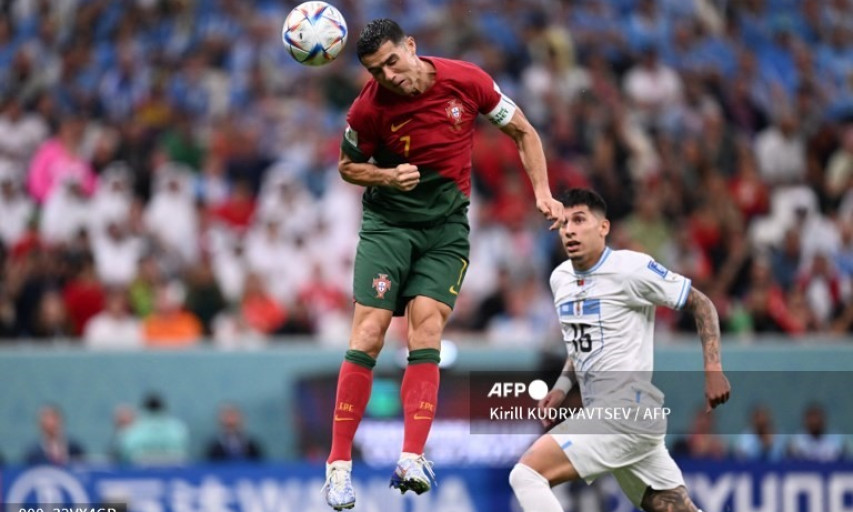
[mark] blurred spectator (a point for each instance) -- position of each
(839, 170)
(52, 320)
(238, 210)
(787, 259)
(204, 299)
(171, 216)
(123, 417)
(647, 226)
(54, 446)
(821, 285)
(21, 132)
(701, 442)
(60, 157)
(750, 194)
(760, 440)
(65, 211)
(143, 288)
(114, 327)
(83, 294)
(261, 312)
(652, 88)
(117, 253)
(781, 152)
(112, 201)
(16, 208)
(169, 325)
(233, 444)
(766, 305)
(815, 443)
(181, 145)
(155, 438)
(229, 268)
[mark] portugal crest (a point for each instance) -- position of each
(381, 284)
(454, 112)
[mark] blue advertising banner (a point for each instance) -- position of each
(716, 487)
(248, 488)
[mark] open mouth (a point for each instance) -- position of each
(572, 245)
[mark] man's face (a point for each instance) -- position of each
(583, 232)
(394, 66)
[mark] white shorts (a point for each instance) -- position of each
(637, 461)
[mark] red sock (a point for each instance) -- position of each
(419, 393)
(354, 383)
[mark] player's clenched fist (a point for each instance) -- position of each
(405, 177)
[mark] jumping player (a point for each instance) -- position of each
(409, 141)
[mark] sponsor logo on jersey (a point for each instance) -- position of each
(381, 284)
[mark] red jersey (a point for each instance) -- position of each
(434, 130)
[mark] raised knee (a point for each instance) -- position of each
(524, 477)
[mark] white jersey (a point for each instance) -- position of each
(607, 316)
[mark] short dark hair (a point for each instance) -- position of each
(376, 33)
(584, 196)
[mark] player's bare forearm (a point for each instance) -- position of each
(531, 152)
(366, 175)
(533, 158)
(707, 326)
(403, 177)
(717, 387)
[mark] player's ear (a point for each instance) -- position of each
(605, 227)
(411, 45)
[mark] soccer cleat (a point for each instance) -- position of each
(413, 474)
(338, 489)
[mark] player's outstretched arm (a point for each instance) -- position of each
(533, 158)
(717, 387)
(404, 177)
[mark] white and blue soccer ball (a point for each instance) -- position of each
(314, 33)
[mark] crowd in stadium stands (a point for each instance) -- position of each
(154, 436)
(168, 172)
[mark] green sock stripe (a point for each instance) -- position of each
(360, 358)
(424, 355)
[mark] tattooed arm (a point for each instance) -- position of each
(717, 388)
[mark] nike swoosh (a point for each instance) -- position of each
(395, 127)
(338, 418)
(453, 291)
(418, 417)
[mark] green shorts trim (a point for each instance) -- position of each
(393, 264)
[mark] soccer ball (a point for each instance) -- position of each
(314, 33)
